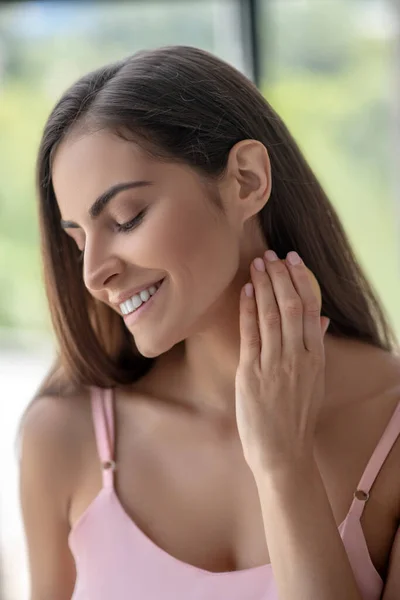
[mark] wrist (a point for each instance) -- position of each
(288, 474)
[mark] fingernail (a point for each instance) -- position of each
(293, 258)
(326, 326)
(270, 255)
(249, 290)
(259, 264)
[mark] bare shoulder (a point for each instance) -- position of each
(364, 388)
(56, 420)
(53, 432)
(378, 375)
(357, 372)
(363, 391)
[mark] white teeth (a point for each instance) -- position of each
(145, 295)
(137, 300)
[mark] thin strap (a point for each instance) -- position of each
(385, 444)
(103, 420)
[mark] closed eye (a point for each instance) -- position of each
(122, 228)
(129, 225)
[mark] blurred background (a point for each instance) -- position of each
(331, 68)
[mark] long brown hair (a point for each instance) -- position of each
(184, 104)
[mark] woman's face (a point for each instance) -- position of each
(181, 238)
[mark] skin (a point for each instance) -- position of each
(181, 417)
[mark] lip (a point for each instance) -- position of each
(127, 295)
(136, 314)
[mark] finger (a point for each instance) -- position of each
(289, 303)
(324, 325)
(311, 308)
(268, 313)
(250, 342)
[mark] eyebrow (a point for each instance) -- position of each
(101, 202)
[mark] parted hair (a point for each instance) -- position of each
(185, 105)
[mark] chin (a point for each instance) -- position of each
(149, 350)
(149, 353)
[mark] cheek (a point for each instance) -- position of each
(189, 239)
(180, 235)
(202, 251)
(189, 242)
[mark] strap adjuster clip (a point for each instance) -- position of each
(109, 464)
(361, 495)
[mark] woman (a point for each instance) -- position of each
(209, 445)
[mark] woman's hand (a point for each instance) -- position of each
(280, 378)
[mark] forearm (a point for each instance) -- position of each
(307, 555)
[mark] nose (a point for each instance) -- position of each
(99, 268)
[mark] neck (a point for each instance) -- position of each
(202, 372)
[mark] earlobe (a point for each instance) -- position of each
(250, 166)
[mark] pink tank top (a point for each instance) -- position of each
(116, 560)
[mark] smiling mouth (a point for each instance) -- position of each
(128, 307)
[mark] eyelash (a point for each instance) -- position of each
(129, 225)
(124, 227)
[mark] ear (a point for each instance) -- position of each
(247, 179)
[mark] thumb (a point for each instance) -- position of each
(324, 325)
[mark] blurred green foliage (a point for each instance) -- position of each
(327, 78)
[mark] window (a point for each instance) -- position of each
(329, 69)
